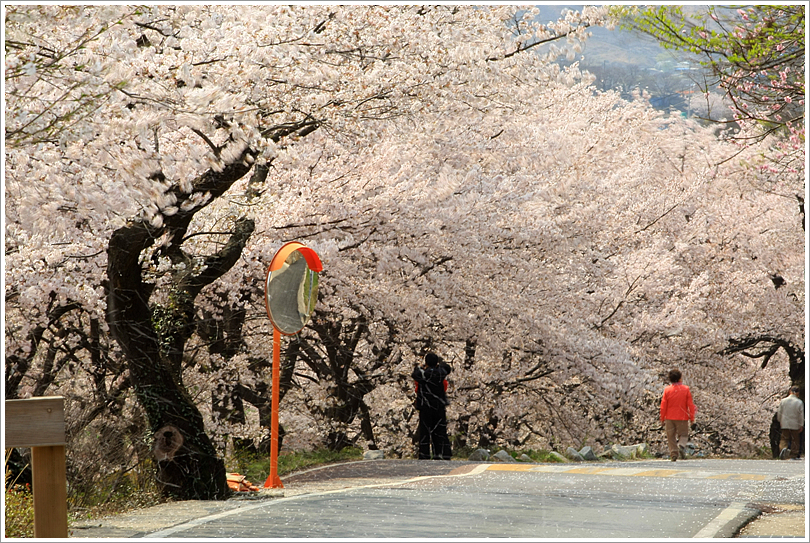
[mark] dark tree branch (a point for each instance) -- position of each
(523, 47)
(771, 346)
(210, 143)
(17, 366)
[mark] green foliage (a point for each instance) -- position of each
(460, 453)
(763, 452)
(19, 505)
(646, 455)
(753, 35)
(19, 510)
(92, 498)
(755, 52)
(541, 455)
(256, 468)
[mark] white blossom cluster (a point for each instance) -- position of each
(460, 191)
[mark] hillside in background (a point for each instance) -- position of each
(624, 61)
(618, 47)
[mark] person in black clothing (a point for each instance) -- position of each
(431, 401)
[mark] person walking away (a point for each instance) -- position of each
(791, 418)
(431, 401)
(677, 412)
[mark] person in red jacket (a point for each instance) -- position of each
(677, 412)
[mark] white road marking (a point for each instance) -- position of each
(718, 523)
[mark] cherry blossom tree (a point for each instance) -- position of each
(561, 247)
(174, 127)
(604, 265)
(756, 54)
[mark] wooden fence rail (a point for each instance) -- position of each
(39, 423)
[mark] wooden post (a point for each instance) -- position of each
(50, 491)
(39, 423)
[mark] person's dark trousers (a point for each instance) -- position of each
(433, 435)
(441, 442)
(424, 434)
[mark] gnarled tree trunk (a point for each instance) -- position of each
(153, 341)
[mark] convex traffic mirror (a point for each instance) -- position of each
(291, 289)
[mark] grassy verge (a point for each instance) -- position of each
(256, 468)
(112, 495)
(19, 502)
(537, 456)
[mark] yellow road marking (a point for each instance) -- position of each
(588, 470)
(510, 467)
(628, 472)
(657, 473)
(739, 476)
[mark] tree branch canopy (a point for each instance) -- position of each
(755, 52)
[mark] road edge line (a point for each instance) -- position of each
(167, 532)
(730, 521)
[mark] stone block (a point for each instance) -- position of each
(479, 455)
(503, 456)
(373, 455)
(573, 454)
(623, 452)
(587, 453)
(557, 457)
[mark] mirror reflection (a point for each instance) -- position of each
(292, 292)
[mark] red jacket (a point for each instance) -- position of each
(677, 403)
(444, 384)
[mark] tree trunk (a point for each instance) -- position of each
(188, 466)
(193, 471)
(340, 339)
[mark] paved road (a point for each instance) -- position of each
(423, 499)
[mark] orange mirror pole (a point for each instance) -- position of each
(313, 263)
(273, 480)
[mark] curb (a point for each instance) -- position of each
(781, 523)
(733, 525)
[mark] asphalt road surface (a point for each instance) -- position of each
(424, 499)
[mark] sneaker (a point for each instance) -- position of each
(784, 454)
